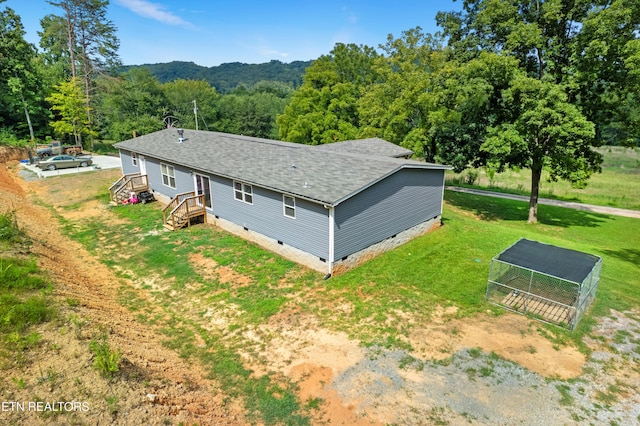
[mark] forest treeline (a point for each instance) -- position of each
(531, 84)
(228, 76)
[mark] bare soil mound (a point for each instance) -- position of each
(155, 386)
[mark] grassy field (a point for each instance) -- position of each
(448, 267)
(617, 186)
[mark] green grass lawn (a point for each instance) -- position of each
(448, 267)
(617, 186)
(24, 293)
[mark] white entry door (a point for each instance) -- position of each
(143, 165)
(203, 188)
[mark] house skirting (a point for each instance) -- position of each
(358, 258)
(314, 262)
(284, 250)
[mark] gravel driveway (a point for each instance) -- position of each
(472, 387)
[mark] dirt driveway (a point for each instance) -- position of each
(482, 370)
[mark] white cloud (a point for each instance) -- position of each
(273, 52)
(154, 11)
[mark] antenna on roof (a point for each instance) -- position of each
(170, 121)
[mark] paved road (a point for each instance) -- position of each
(548, 201)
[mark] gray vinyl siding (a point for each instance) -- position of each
(127, 165)
(184, 179)
(399, 202)
(309, 231)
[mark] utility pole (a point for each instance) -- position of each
(195, 112)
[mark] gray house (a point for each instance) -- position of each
(329, 207)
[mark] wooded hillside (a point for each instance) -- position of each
(227, 77)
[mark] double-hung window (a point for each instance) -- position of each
(289, 206)
(168, 175)
(243, 192)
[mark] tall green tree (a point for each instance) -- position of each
(563, 45)
(324, 108)
(188, 99)
(20, 87)
(70, 108)
(603, 81)
(582, 45)
(55, 53)
(91, 40)
(131, 104)
(399, 106)
(544, 131)
(467, 98)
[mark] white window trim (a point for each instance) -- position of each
(169, 176)
(243, 192)
(134, 159)
(285, 205)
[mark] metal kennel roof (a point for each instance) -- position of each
(548, 283)
(570, 265)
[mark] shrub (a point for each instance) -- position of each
(471, 176)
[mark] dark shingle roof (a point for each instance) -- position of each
(302, 170)
(371, 146)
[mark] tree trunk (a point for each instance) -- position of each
(536, 173)
(70, 12)
(26, 113)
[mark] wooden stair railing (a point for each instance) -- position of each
(181, 209)
(133, 182)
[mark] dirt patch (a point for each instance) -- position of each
(313, 383)
(510, 336)
(209, 269)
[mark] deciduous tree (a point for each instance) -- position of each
(544, 130)
(131, 104)
(70, 108)
(90, 38)
(19, 80)
(398, 106)
(578, 54)
(324, 109)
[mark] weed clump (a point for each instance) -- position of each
(10, 233)
(106, 360)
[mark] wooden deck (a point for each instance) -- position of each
(533, 305)
(182, 209)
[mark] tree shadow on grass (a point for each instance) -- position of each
(625, 254)
(490, 208)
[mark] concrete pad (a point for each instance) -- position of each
(99, 162)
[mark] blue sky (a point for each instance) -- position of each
(211, 32)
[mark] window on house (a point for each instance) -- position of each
(289, 205)
(168, 175)
(134, 158)
(243, 192)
